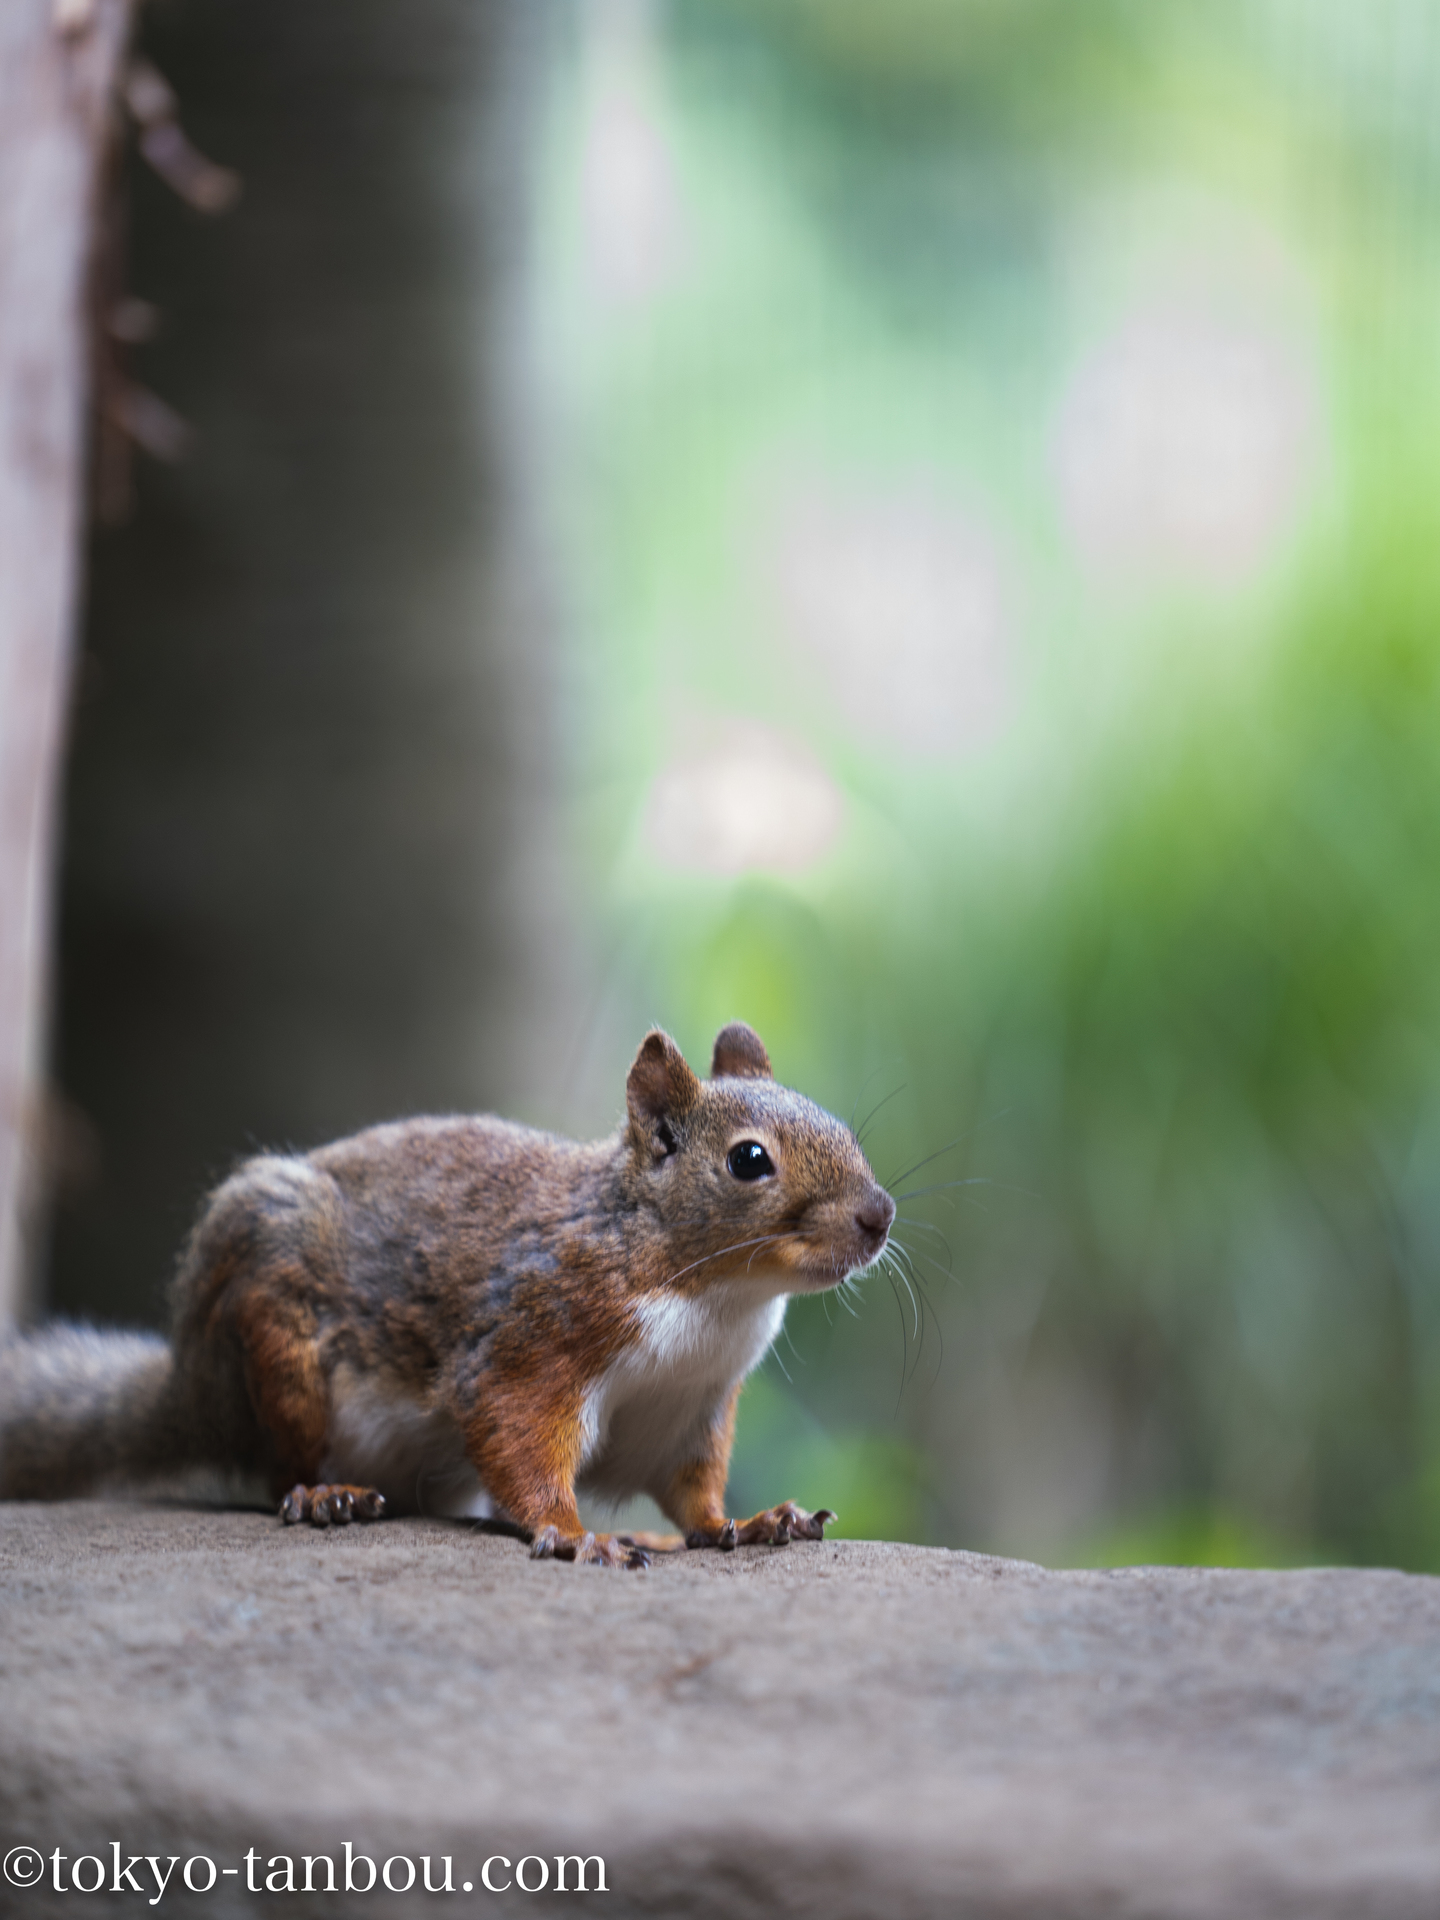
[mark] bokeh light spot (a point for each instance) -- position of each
(755, 801)
(899, 597)
(1181, 444)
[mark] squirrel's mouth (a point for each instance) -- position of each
(823, 1259)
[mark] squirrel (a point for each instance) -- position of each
(465, 1315)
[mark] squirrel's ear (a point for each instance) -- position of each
(660, 1085)
(740, 1052)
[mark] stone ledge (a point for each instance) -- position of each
(847, 1729)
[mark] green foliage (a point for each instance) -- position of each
(1185, 1536)
(872, 1480)
(1158, 954)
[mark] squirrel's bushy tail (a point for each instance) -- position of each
(78, 1406)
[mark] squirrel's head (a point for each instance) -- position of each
(744, 1176)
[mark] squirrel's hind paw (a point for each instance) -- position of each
(772, 1528)
(652, 1542)
(589, 1549)
(333, 1506)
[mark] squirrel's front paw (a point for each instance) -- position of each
(331, 1506)
(771, 1528)
(592, 1549)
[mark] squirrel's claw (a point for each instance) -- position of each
(590, 1549)
(722, 1537)
(775, 1527)
(331, 1506)
(784, 1523)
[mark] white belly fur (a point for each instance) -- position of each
(644, 1416)
(640, 1420)
(381, 1436)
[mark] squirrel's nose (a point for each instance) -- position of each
(876, 1213)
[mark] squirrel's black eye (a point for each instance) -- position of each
(749, 1161)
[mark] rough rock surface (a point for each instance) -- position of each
(848, 1729)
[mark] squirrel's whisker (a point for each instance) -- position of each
(904, 1337)
(914, 1299)
(873, 1074)
(909, 1220)
(865, 1123)
(939, 1154)
(989, 1121)
(947, 1186)
(764, 1239)
(947, 1275)
(918, 1253)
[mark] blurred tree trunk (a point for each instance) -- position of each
(311, 874)
(57, 68)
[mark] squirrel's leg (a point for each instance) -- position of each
(525, 1442)
(695, 1499)
(292, 1404)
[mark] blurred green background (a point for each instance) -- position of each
(992, 457)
